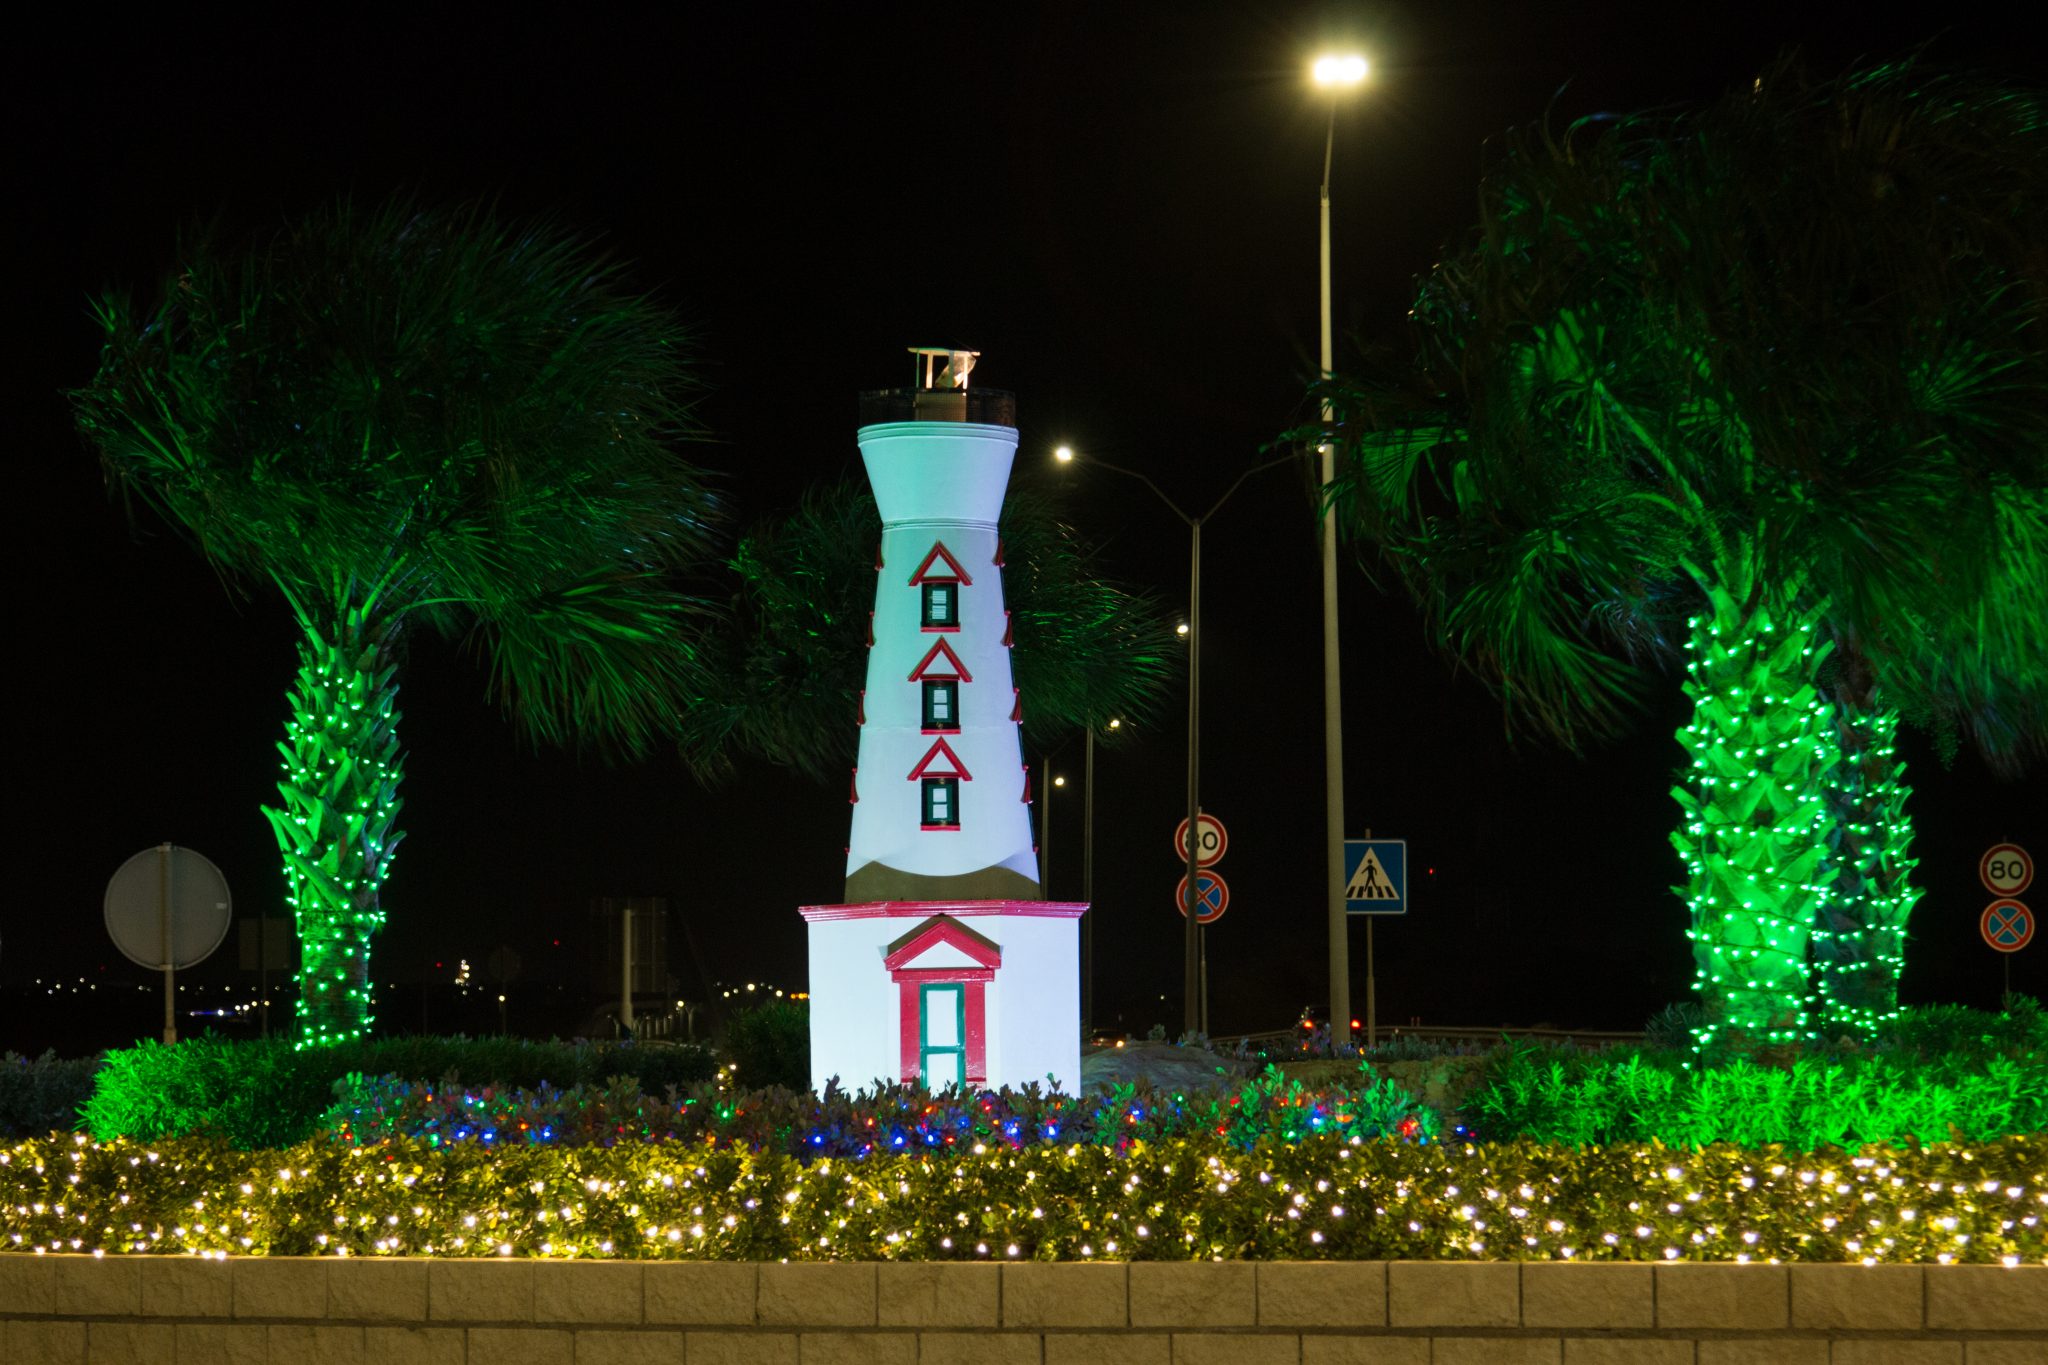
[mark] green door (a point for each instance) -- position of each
(942, 1035)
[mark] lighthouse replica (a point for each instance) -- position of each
(945, 965)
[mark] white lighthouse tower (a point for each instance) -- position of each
(944, 965)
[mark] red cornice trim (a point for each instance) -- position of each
(1016, 707)
(1009, 633)
(940, 748)
(918, 674)
(998, 560)
(878, 556)
(853, 788)
(863, 704)
(939, 829)
(957, 909)
(939, 551)
(939, 630)
(871, 630)
(1026, 797)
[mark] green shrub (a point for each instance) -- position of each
(1189, 1199)
(271, 1094)
(1556, 1096)
(44, 1094)
(1953, 1033)
(770, 1045)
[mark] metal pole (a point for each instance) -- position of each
(163, 911)
(1333, 693)
(263, 971)
(625, 968)
(1191, 978)
(1088, 884)
(1045, 826)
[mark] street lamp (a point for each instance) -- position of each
(1192, 1013)
(1335, 73)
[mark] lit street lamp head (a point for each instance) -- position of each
(1064, 454)
(1338, 70)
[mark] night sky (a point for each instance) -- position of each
(1117, 206)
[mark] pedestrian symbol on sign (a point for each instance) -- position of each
(1369, 882)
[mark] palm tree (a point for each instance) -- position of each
(410, 419)
(791, 668)
(1762, 386)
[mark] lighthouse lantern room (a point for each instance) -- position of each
(944, 965)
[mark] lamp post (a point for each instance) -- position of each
(1335, 73)
(1192, 1020)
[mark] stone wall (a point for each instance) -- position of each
(63, 1309)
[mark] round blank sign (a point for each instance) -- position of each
(173, 878)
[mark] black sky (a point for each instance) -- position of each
(1116, 204)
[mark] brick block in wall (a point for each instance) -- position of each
(1193, 1294)
(1322, 1293)
(247, 1343)
(978, 1348)
(128, 1343)
(309, 1343)
(857, 1348)
(1453, 1294)
(587, 1291)
(1771, 1350)
(739, 1348)
(816, 1294)
(1065, 1294)
(1987, 1298)
(1236, 1348)
(526, 1345)
(621, 1346)
(28, 1283)
(699, 1293)
(936, 1294)
(1107, 1348)
(480, 1291)
(1604, 1350)
(1495, 1351)
(1703, 1295)
(1894, 1351)
(48, 1343)
(1858, 1297)
(1607, 1294)
(186, 1287)
(410, 1345)
(94, 1287)
(1364, 1350)
(365, 1290)
(280, 1286)
(2013, 1351)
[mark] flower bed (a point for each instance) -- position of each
(1320, 1198)
(891, 1119)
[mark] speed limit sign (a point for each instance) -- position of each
(1212, 841)
(2005, 869)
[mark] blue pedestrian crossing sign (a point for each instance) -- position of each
(1376, 876)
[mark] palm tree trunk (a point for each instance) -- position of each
(1761, 746)
(337, 825)
(1860, 942)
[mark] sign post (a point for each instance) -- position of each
(1210, 843)
(2006, 925)
(1375, 884)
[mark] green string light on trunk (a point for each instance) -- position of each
(337, 826)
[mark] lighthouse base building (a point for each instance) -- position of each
(944, 966)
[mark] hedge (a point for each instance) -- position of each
(272, 1094)
(1322, 1198)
